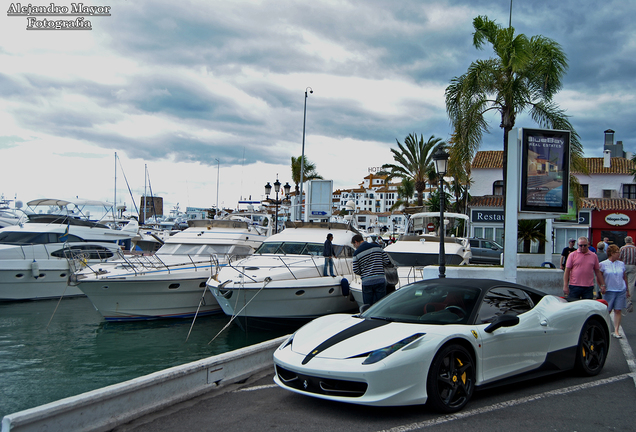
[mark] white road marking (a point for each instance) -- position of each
(262, 387)
(627, 351)
(502, 405)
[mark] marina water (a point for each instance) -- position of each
(79, 351)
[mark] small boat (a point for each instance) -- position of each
(36, 257)
(172, 282)
(282, 283)
(414, 250)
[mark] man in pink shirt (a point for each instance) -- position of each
(580, 268)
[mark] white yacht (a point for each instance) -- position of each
(172, 282)
(36, 256)
(10, 215)
(416, 249)
(283, 282)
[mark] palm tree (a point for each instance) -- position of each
(414, 160)
(405, 192)
(524, 75)
(529, 231)
(309, 169)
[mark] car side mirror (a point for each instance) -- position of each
(502, 321)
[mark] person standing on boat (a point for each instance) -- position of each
(369, 261)
(329, 254)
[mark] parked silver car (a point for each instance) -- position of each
(485, 251)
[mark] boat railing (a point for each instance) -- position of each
(139, 264)
(80, 257)
(295, 264)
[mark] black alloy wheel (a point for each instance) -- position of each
(451, 379)
(592, 349)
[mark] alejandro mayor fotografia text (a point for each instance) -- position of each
(79, 10)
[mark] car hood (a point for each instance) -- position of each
(342, 336)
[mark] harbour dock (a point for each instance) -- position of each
(235, 392)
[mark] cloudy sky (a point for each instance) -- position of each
(177, 86)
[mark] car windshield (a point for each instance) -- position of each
(427, 302)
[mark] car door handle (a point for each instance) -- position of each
(544, 323)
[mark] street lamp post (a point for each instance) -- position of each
(302, 155)
(441, 166)
(218, 169)
(277, 202)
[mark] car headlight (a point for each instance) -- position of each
(382, 353)
(287, 342)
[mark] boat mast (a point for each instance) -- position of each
(145, 194)
(115, 193)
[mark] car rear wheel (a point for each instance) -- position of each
(451, 379)
(592, 349)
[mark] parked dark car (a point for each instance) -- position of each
(485, 251)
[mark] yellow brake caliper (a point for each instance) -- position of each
(464, 374)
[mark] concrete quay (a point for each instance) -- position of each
(235, 392)
(561, 402)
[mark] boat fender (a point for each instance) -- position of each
(35, 269)
(344, 284)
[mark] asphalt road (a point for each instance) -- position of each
(563, 402)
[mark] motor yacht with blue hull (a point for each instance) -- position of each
(37, 257)
(283, 282)
(172, 282)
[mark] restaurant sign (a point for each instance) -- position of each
(617, 219)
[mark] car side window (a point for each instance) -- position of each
(474, 243)
(503, 301)
(488, 245)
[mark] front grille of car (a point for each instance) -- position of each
(326, 386)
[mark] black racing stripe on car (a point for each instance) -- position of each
(363, 326)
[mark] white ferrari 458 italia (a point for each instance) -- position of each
(438, 340)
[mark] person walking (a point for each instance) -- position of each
(601, 251)
(627, 254)
(567, 251)
(602, 256)
(369, 261)
(615, 292)
(580, 268)
(329, 254)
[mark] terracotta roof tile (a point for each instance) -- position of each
(618, 165)
(488, 159)
(487, 201)
(608, 203)
(494, 159)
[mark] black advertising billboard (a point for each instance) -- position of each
(545, 171)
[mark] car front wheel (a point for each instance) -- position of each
(451, 379)
(592, 349)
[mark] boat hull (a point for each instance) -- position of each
(19, 284)
(294, 301)
(137, 297)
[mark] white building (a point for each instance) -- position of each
(608, 189)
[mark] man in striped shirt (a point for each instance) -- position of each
(627, 254)
(369, 261)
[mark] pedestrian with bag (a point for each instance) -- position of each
(615, 292)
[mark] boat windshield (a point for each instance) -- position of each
(30, 238)
(427, 302)
(193, 249)
(291, 248)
